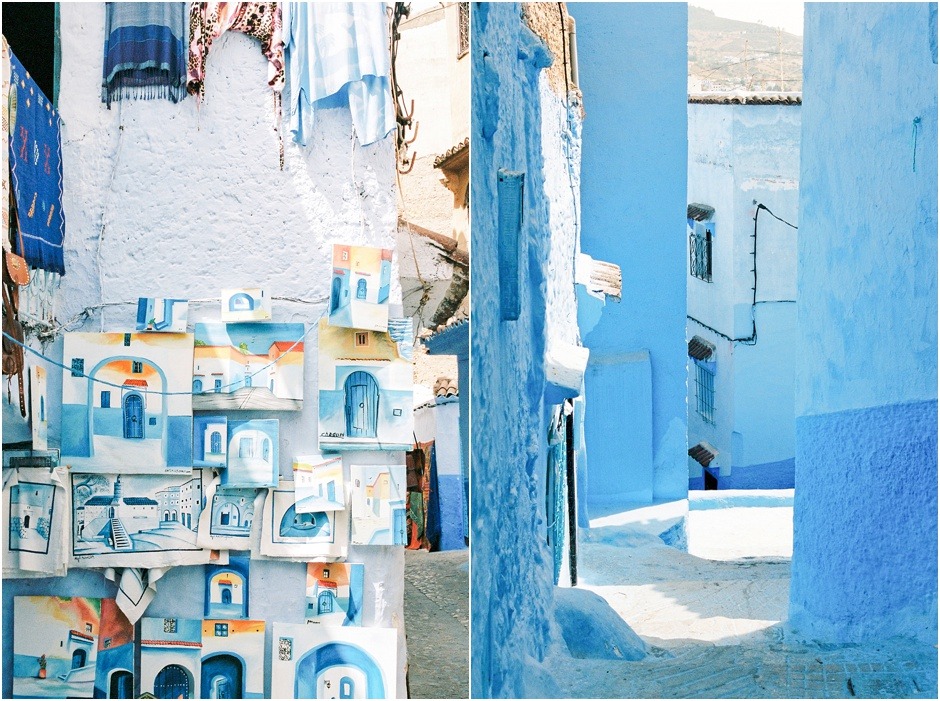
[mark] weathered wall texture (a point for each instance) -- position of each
(865, 511)
(632, 63)
(519, 124)
(173, 201)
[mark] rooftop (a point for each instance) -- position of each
(746, 98)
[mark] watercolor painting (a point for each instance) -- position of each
(365, 391)
(334, 593)
(38, 403)
(227, 588)
(31, 512)
(378, 504)
(248, 366)
(324, 662)
(135, 513)
(290, 526)
(210, 441)
(359, 290)
(313, 536)
(232, 659)
(161, 314)
(252, 454)
(245, 304)
(233, 511)
(55, 646)
(170, 657)
(114, 670)
(126, 404)
(319, 484)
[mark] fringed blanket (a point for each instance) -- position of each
(36, 171)
(144, 51)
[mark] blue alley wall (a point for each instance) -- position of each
(865, 510)
(632, 62)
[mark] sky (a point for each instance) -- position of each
(787, 14)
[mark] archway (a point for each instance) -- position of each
(222, 677)
(347, 662)
(173, 682)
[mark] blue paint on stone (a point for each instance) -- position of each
(771, 475)
(450, 491)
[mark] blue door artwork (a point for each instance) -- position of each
(313, 664)
(325, 602)
(222, 677)
(197, 386)
(78, 659)
(172, 682)
(133, 416)
(361, 289)
(362, 405)
(335, 295)
(215, 442)
(122, 685)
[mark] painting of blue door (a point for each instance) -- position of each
(78, 659)
(335, 295)
(197, 386)
(172, 682)
(215, 442)
(362, 405)
(325, 602)
(133, 416)
(361, 288)
(222, 677)
(226, 595)
(315, 663)
(122, 685)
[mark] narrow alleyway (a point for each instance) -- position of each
(437, 623)
(716, 627)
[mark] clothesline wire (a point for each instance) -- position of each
(75, 373)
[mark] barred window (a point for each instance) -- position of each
(463, 28)
(700, 251)
(705, 390)
(78, 367)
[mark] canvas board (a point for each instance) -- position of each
(319, 484)
(245, 304)
(378, 504)
(230, 514)
(252, 459)
(322, 536)
(232, 665)
(36, 522)
(360, 286)
(334, 593)
(162, 315)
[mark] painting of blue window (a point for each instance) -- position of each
(359, 290)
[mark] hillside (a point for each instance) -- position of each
(727, 54)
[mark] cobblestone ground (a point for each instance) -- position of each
(437, 624)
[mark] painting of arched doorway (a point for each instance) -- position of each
(133, 416)
(361, 288)
(241, 302)
(222, 677)
(121, 684)
(307, 525)
(197, 386)
(173, 682)
(215, 443)
(335, 294)
(79, 658)
(362, 405)
(228, 515)
(347, 669)
(325, 602)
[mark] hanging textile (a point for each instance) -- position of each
(340, 51)
(210, 20)
(5, 101)
(423, 508)
(144, 51)
(35, 150)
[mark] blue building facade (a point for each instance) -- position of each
(633, 67)
(865, 510)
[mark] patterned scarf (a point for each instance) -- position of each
(36, 171)
(209, 20)
(144, 51)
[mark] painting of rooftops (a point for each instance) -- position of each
(248, 366)
(135, 513)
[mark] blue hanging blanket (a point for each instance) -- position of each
(144, 51)
(36, 171)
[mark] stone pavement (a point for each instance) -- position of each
(437, 623)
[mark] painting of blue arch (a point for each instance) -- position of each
(127, 402)
(322, 661)
(315, 524)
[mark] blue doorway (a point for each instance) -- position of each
(335, 295)
(122, 685)
(172, 682)
(362, 405)
(361, 289)
(222, 677)
(133, 416)
(315, 663)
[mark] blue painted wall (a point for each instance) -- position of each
(865, 510)
(632, 62)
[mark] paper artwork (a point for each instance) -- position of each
(323, 662)
(334, 593)
(245, 304)
(360, 287)
(365, 391)
(248, 366)
(287, 533)
(227, 521)
(170, 657)
(232, 665)
(161, 314)
(319, 484)
(227, 589)
(126, 404)
(136, 520)
(38, 404)
(210, 441)
(252, 454)
(378, 504)
(36, 531)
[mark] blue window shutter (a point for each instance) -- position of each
(509, 188)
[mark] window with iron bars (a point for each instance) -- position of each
(700, 252)
(705, 391)
(463, 28)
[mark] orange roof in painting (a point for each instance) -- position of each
(136, 383)
(284, 346)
